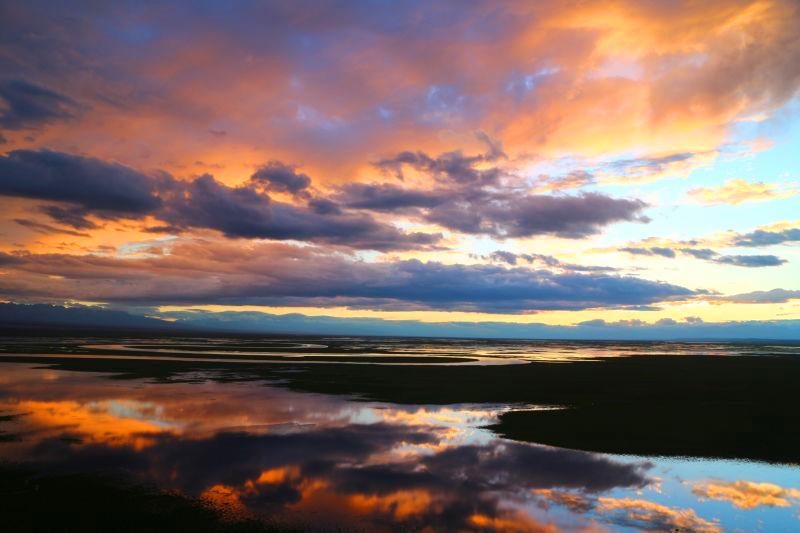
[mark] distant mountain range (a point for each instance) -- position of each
(23, 318)
(53, 316)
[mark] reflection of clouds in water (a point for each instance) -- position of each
(648, 515)
(344, 461)
(747, 494)
(285, 474)
(254, 450)
(635, 513)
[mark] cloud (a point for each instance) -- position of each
(94, 185)
(247, 213)
(737, 191)
(767, 238)
(47, 228)
(278, 177)
(502, 256)
(451, 167)
(388, 197)
(274, 274)
(774, 296)
(666, 322)
(29, 106)
(84, 187)
(574, 180)
(518, 216)
(700, 253)
(69, 216)
(650, 168)
(468, 198)
(109, 190)
(653, 250)
(365, 79)
(706, 254)
(750, 261)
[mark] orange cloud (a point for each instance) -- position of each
(737, 191)
(554, 78)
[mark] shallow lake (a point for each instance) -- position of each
(254, 449)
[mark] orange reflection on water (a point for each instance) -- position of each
(515, 523)
(401, 504)
(113, 422)
(647, 513)
(316, 494)
(748, 494)
(250, 450)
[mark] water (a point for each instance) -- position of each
(377, 350)
(255, 449)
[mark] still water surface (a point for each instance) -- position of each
(254, 449)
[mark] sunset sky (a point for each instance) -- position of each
(610, 163)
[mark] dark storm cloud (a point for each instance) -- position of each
(388, 197)
(110, 190)
(323, 206)
(767, 238)
(248, 213)
(90, 183)
(28, 106)
(495, 289)
(518, 215)
(472, 198)
(287, 275)
(278, 177)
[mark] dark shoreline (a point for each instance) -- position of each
(74, 502)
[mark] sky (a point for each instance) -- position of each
(600, 164)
